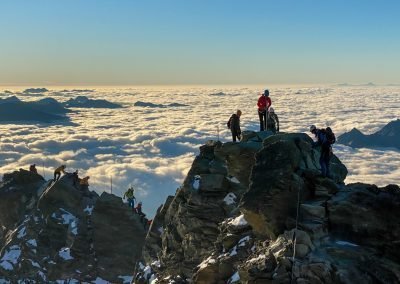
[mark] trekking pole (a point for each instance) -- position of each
(217, 132)
(111, 183)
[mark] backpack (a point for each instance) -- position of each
(330, 136)
(229, 122)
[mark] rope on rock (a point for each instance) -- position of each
(294, 238)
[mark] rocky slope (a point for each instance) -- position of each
(388, 136)
(259, 212)
(57, 233)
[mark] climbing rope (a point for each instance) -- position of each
(294, 238)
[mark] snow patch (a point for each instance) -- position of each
(196, 182)
(230, 198)
(147, 272)
(22, 233)
(34, 263)
(65, 253)
(88, 210)
(10, 257)
(344, 243)
(204, 264)
(234, 251)
(255, 259)
(234, 278)
(238, 221)
(243, 241)
(233, 179)
(32, 242)
(100, 281)
(126, 279)
(156, 263)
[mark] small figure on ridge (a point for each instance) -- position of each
(234, 125)
(263, 104)
(58, 171)
(273, 121)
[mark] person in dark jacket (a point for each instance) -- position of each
(322, 141)
(273, 121)
(234, 125)
(263, 104)
(33, 169)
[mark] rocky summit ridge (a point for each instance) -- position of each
(258, 211)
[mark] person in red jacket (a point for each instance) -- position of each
(264, 102)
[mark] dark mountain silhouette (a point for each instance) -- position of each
(85, 102)
(35, 91)
(46, 110)
(388, 136)
(151, 105)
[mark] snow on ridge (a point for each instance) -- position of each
(238, 221)
(233, 179)
(230, 198)
(65, 253)
(206, 262)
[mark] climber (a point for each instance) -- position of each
(129, 194)
(140, 212)
(84, 183)
(273, 121)
(325, 139)
(75, 178)
(32, 169)
(58, 171)
(234, 125)
(264, 102)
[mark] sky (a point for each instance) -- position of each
(98, 42)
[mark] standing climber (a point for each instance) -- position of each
(273, 121)
(234, 125)
(32, 169)
(325, 139)
(58, 171)
(264, 102)
(75, 179)
(129, 194)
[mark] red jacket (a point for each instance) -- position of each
(264, 103)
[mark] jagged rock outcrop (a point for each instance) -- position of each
(258, 211)
(388, 136)
(57, 232)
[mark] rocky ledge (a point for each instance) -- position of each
(56, 233)
(259, 212)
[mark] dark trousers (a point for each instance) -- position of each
(56, 176)
(262, 115)
(131, 202)
(235, 135)
(324, 161)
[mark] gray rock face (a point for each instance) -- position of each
(56, 232)
(340, 234)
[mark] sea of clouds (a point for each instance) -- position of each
(152, 147)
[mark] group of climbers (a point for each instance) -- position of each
(268, 118)
(130, 196)
(269, 121)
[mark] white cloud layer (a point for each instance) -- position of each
(153, 148)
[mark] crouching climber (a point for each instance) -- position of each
(32, 169)
(129, 194)
(234, 125)
(140, 212)
(273, 121)
(84, 183)
(58, 171)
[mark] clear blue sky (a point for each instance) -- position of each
(95, 42)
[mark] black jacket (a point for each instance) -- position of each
(234, 124)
